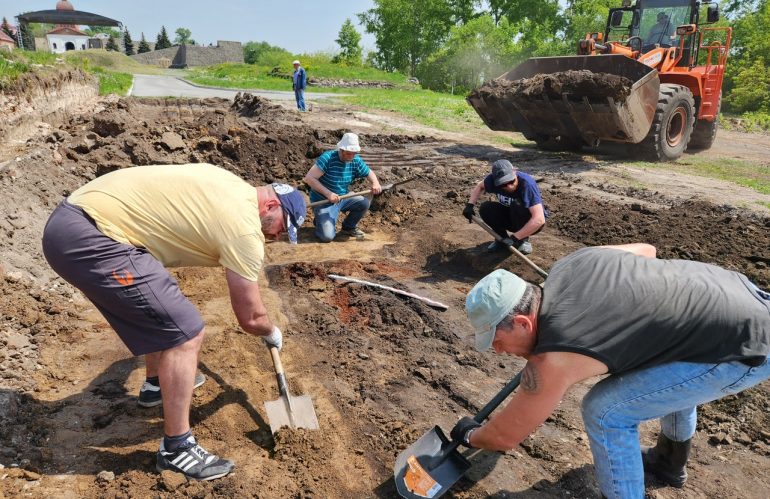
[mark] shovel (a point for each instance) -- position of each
(386, 187)
(542, 273)
(294, 412)
(431, 465)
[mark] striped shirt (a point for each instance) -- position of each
(338, 175)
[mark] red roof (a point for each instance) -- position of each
(5, 38)
(66, 30)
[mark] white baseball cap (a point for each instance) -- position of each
(349, 142)
(295, 62)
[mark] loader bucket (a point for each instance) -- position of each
(588, 116)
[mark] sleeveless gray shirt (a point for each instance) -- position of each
(629, 311)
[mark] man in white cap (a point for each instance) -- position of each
(673, 333)
(329, 179)
(518, 209)
(298, 84)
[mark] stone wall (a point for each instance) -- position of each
(194, 55)
(154, 57)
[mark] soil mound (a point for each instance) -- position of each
(577, 83)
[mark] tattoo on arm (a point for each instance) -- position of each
(529, 378)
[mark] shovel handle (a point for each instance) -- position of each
(283, 387)
(386, 187)
(498, 399)
(542, 273)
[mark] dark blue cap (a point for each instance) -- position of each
(293, 204)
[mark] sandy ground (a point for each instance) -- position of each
(381, 369)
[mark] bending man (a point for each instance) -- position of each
(519, 206)
(113, 238)
(674, 334)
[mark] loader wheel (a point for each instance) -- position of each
(672, 126)
(559, 143)
(705, 132)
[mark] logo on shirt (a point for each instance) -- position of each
(124, 277)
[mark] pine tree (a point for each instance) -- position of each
(162, 42)
(111, 45)
(143, 45)
(6, 27)
(128, 43)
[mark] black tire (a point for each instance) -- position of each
(559, 143)
(672, 125)
(705, 132)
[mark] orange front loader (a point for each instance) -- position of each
(674, 61)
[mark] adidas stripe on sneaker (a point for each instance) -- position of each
(193, 461)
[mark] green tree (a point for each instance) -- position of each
(183, 37)
(350, 44)
(474, 52)
(264, 54)
(408, 31)
(128, 43)
(747, 81)
(27, 39)
(6, 27)
(111, 45)
(162, 41)
(143, 45)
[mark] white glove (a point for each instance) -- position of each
(274, 339)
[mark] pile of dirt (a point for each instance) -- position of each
(576, 83)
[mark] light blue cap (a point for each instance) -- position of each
(490, 301)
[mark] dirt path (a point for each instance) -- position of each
(381, 369)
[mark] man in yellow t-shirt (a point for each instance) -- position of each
(113, 239)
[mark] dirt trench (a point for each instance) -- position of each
(381, 369)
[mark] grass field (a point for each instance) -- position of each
(751, 175)
(114, 70)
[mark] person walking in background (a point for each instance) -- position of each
(299, 82)
(519, 206)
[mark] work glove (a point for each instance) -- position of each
(469, 212)
(463, 429)
(274, 339)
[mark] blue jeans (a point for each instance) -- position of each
(326, 216)
(614, 407)
(300, 96)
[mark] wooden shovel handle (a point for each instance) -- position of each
(283, 386)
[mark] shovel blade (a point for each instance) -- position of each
(427, 469)
(294, 412)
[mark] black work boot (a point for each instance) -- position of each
(667, 460)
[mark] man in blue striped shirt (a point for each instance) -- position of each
(329, 179)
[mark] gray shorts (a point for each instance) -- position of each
(132, 289)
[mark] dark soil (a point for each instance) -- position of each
(575, 83)
(381, 368)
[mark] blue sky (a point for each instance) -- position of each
(300, 26)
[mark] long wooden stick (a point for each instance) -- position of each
(513, 250)
(362, 193)
(430, 302)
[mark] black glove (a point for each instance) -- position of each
(463, 429)
(469, 211)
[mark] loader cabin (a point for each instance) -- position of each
(649, 24)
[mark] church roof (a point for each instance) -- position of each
(66, 30)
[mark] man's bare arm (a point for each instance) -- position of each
(247, 304)
(544, 381)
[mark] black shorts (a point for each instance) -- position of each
(131, 288)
